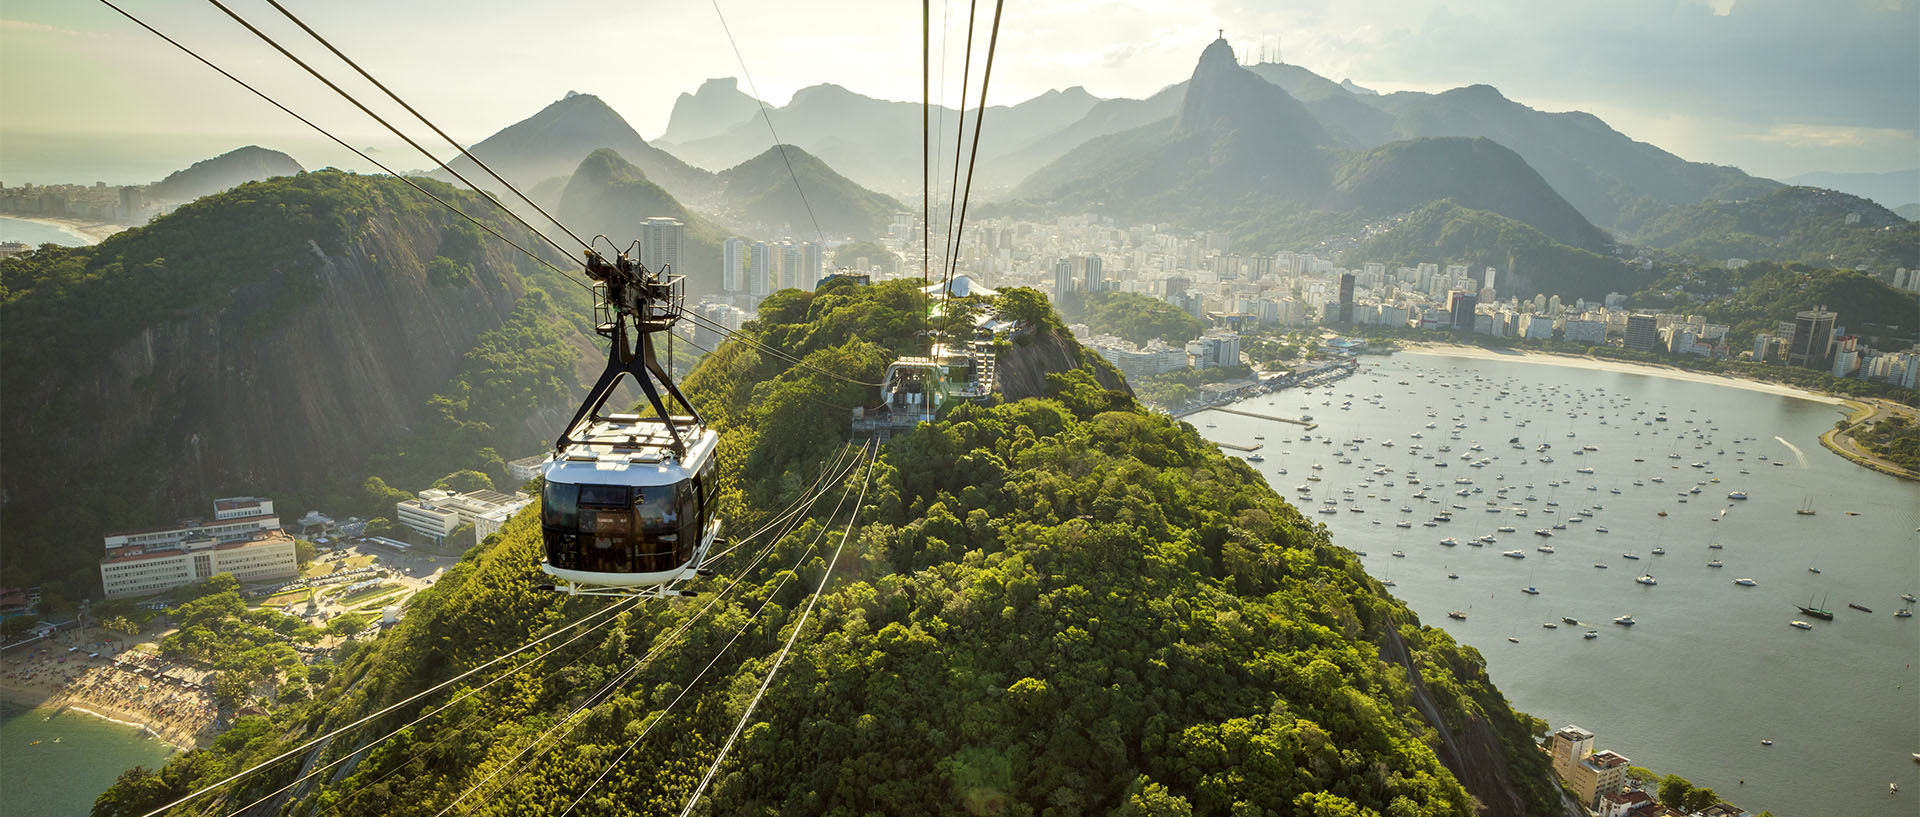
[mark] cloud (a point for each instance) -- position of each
(1802, 134)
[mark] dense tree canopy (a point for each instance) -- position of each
(1062, 605)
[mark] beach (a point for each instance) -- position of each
(82, 231)
(124, 685)
(1619, 366)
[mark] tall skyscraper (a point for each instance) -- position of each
(662, 241)
(1345, 315)
(1812, 345)
(1062, 278)
(1642, 332)
(813, 262)
(760, 270)
(1461, 304)
(1094, 278)
(732, 258)
(792, 272)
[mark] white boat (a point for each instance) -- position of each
(1801, 624)
(1646, 579)
(1532, 591)
(1515, 554)
(1624, 621)
(1745, 582)
(1737, 495)
(1403, 524)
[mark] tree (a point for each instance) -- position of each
(121, 624)
(304, 551)
(1699, 800)
(381, 497)
(17, 625)
(347, 624)
(461, 482)
(1674, 789)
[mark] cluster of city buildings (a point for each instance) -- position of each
(118, 204)
(243, 538)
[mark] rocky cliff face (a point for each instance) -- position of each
(280, 384)
(1036, 352)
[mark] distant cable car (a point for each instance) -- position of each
(628, 504)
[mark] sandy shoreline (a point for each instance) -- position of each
(87, 230)
(1619, 366)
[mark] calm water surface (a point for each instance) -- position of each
(63, 778)
(33, 233)
(1711, 668)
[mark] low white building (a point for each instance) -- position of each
(138, 570)
(1584, 331)
(437, 514)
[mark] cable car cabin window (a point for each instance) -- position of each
(620, 529)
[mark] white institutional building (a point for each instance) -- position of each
(436, 514)
(243, 538)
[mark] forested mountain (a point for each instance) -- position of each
(1614, 181)
(281, 339)
(1891, 190)
(1245, 155)
(1529, 261)
(761, 191)
(1757, 297)
(1475, 173)
(223, 172)
(1055, 605)
(608, 195)
(1805, 224)
(554, 141)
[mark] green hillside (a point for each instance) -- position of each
(276, 340)
(761, 190)
(1803, 224)
(1446, 233)
(1475, 173)
(1062, 605)
(1754, 298)
(608, 195)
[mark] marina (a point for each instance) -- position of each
(1655, 463)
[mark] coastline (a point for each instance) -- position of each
(1619, 366)
(64, 701)
(88, 231)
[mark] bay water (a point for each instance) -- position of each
(1711, 668)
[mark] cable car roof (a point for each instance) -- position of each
(626, 449)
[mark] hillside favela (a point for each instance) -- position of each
(1046, 409)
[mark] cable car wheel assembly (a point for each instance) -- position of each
(627, 509)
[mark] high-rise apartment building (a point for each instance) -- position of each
(732, 261)
(760, 265)
(662, 243)
(1643, 331)
(1461, 304)
(1812, 344)
(1345, 314)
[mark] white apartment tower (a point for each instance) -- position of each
(662, 243)
(732, 258)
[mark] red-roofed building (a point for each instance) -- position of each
(243, 539)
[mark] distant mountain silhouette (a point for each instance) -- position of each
(761, 192)
(715, 108)
(1474, 173)
(224, 172)
(556, 140)
(876, 142)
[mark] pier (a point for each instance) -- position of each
(1254, 447)
(1308, 425)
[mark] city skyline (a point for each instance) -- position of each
(1700, 78)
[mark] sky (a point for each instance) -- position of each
(1775, 87)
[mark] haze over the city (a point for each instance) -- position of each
(1776, 87)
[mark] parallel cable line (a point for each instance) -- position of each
(269, 40)
(959, 136)
(874, 453)
(391, 707)
(661, 716)
(634, 667)
(337, 140)
(424, 120)
(979, 116)
(926, 155)
(764, 114)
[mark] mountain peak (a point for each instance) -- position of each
(1218, 51)
(1222, 96)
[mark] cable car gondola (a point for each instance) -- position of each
(628, 504)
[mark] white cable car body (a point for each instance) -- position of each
(627, 509)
